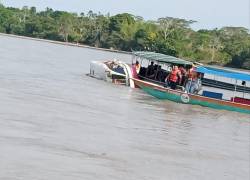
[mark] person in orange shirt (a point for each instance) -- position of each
(174, 77)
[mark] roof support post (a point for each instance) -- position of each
(235, 89)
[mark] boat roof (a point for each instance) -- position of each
(160, 57)
(223, 73)
(153, 56)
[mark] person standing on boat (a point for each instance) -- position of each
(137, 67)
(190, 77)
(135, 70)
(183, 75)
(196, 83)
(174, 77)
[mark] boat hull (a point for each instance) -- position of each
(100, 70)
(181, 97)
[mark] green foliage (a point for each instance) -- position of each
(118, 20)
(168, 35)
(241, 60)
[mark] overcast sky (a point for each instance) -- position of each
(209, 13)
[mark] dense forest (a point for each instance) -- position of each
(229, 46)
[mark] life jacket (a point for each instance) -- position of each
(174, 76)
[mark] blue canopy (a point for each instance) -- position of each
(224, 73)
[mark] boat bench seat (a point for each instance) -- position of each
(212, 94)
(240, 100)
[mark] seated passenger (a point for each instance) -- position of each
(159, 74)
(142, 72)
(150, 69)
(156, 67)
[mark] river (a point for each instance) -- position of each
(56, 123)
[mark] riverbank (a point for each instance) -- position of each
(102, 49)
(57, 123)
(64, 43)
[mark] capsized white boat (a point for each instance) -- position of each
(114, 71)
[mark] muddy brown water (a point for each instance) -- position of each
(58, 123)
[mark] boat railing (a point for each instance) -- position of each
(164, 84)
(151, 80)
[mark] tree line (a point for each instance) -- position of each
(173, 36)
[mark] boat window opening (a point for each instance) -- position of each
(141, 60)
(114, 66)
(147, 69)
(153, 81)
(243, 84)
(133, 57)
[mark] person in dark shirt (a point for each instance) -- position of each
(183, 75)
(150, 69)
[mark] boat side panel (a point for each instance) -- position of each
(159, 93)
(218, 106)
(220, 103)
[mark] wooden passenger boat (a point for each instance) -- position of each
(206, 98)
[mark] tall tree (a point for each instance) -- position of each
(168, 24)
(65, 23)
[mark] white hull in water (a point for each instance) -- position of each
(113, 71)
